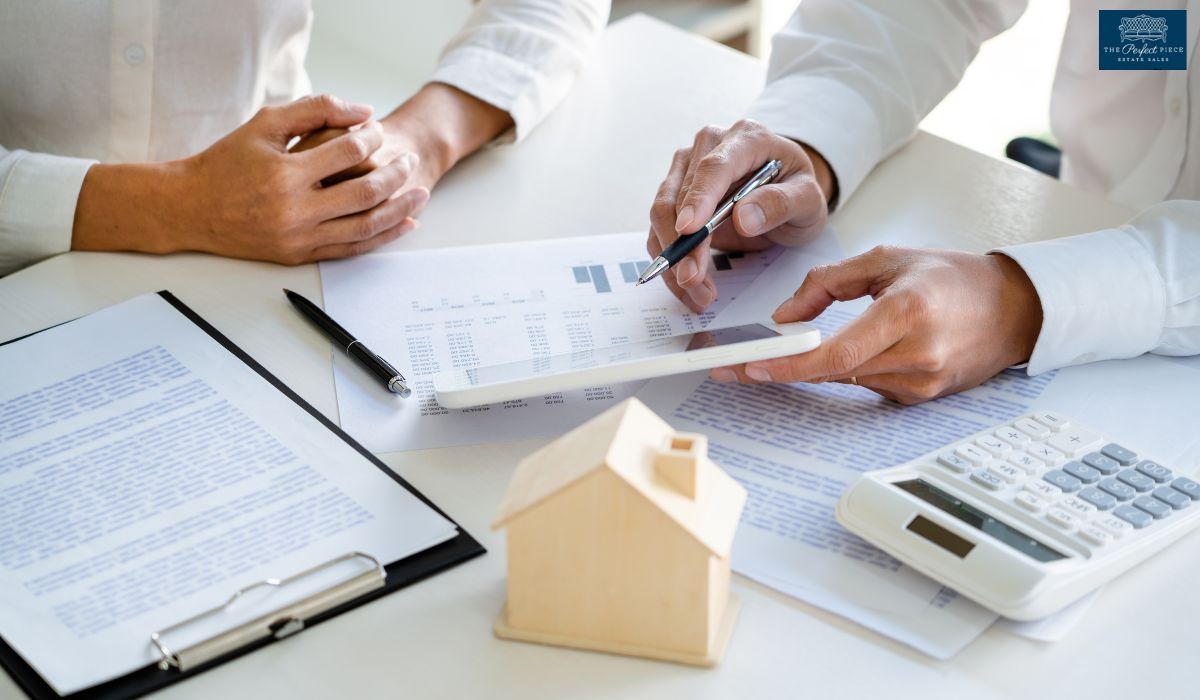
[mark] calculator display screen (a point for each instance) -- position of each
(979, 520)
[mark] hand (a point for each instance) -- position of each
(247, 197)
(791, 210)
(942, 321)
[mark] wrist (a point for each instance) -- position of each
(1020, 304)
(131, 207)
(823, 175)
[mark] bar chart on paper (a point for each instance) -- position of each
(463, 307)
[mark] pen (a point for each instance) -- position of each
(376, 365)
(688, 241)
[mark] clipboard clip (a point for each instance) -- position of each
(279, 623)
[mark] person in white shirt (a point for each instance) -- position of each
(847, 85)
(163, 126)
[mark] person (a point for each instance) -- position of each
(169, 126)
(847, 85)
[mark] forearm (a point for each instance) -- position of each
(443, 125)
(132, 207)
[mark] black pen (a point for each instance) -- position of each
(376, 365)
(687, 242)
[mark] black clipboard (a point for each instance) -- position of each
(398, 574)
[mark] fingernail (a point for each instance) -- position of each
(419, 197)
(700, 296)
(752, 219)
(686, 270)
(723, 375)
(684, 220)
(757, 373)
(785, 307)
(410, 160)
(360, 108)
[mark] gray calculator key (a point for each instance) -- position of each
(1081, 471)
(1063, 480)
(1133, 516)
(987, 480)
(1136, 479)
(1123, 455)
(1105, 465)
(1118, 489)
(1153, 506)
(1187, 486)
(1171, 497)
(1154, 470)
(1098, 498)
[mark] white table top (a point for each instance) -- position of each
(593, 168)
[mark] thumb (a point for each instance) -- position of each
(308, 114)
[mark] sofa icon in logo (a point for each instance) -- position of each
(1143, 28)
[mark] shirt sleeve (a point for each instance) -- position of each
(522, 55)
(1119, 292)
(854, 79)
(38, 193)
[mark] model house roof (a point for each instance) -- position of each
(628, 440)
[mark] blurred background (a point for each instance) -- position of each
(380, 51)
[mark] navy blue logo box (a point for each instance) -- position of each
(1143, 39)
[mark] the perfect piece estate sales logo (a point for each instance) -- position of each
(1143, 40)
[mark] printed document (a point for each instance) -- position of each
(430, 310)
(146, 474)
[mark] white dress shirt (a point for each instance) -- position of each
(853, 80)
(151, 80)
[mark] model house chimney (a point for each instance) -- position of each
(678, 461)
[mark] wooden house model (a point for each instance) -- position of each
(619, 535)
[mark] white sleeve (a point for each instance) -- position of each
(853, 78)
(1119, 292)
(522, 55)
(38, 193)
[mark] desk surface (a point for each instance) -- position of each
(592, 168)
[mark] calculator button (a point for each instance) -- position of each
(954, 463)
(1105, 465)
(1095, 535)
(1117, 489)
(1137, 518)
(1098, 498)
(1116, 527)
(1123, 455)
(1063, 480)
(1139, 481)
(1048, 454)
(1063, 519)
(1048, 492)
(1009, 473)
(972, 454)
(1081, 471)
(1073, 441)
(1031, 502)
(987, 480)
(1051, 420)
(1171, 497)
(1153, 506)
(993, 444)
(1027, 462)
(1033, 429)
(1187, 486)
(1154, 470)
(1079, 506)
(1012, 436)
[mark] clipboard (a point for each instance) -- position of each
(376, 580)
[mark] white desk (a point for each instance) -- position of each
(591, 168)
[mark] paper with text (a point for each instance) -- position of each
(146, 473)
(430, 310)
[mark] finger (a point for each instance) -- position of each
(312, 113)
(905, 388)
(849, 279)
(706, 139)
(368, 191)
(716, 171)
(341, 152)
(367, 224)
(880, 327)
(692, 270)
(696, 298)
(663, 211)
(796, 201)
(346, 250)
(732, 374)
(316, 138)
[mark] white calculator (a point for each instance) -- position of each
(1024, 518)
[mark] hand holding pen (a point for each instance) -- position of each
(790, 209)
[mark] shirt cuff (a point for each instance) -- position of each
(498, 79)
(1102, 298)
(828, 116)
(37, 206)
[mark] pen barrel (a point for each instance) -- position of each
(374, 363)
(683, 245)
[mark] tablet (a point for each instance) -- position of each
(459, 388)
